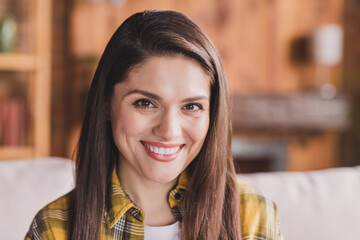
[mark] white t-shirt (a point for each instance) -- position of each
(169, 232)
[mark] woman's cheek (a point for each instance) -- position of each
(198, 128)
(135, 123)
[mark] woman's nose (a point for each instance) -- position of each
(168, 126)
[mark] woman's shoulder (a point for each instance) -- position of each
(51, 222)
(258, 213)
(252, 200)
(249, 192)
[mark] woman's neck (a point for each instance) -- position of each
(150, 196)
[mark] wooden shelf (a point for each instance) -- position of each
(16, 152)
(37, 65)
(17, 62)
(302, 111)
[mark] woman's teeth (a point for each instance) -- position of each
(162, 151)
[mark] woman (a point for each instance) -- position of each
(154, 156)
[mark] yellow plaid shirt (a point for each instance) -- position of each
(124, 220)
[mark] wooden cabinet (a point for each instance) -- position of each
(32, 62)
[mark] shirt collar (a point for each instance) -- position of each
(118, 202)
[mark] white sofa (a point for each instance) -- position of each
(317, 205)
(28, 185)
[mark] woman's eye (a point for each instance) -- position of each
(193, 107)
(143, 103)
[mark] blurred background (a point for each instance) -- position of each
(293, 68)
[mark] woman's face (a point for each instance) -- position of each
(160, 118)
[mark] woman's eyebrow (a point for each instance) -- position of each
(156, 97)
(196, 98)
(145, 93)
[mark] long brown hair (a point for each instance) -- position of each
(211, 204)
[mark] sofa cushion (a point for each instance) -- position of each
(312, 205)
(28, 185)
(322, 204)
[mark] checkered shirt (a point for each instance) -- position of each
(124, 220)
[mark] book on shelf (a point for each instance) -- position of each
(12, 122)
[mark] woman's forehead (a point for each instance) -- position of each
(169, 75)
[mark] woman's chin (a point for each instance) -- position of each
(165, 177)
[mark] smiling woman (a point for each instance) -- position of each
(154, 158)
(162, 108)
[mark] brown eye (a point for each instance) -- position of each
(193, 107)
(143, 103)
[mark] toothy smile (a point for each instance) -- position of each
(162, 150)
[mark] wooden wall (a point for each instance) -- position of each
(255, 39)
(253, 36)
(350, 140)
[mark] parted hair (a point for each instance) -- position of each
(210, 208)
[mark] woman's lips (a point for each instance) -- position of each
(162, 152)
